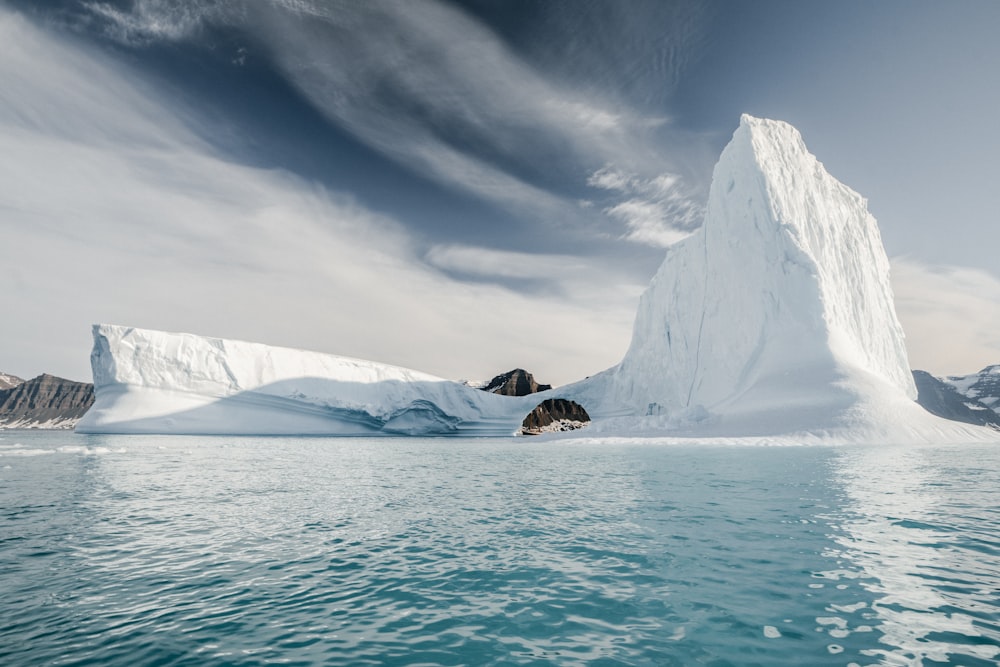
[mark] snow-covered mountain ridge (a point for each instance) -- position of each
(982, 387)
(940, 397)
(8, 381)
(45, 402)
(774, 320)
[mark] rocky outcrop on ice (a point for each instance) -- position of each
(773, 322)
(517, 382)
(555, 415)
(942, 399)
(45, 402)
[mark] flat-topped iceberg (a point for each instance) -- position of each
(159, 382)
(775, 320)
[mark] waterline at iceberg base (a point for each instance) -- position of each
(773, 322)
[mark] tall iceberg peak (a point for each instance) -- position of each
(782, 297)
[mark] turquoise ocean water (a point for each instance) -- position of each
(140, 550)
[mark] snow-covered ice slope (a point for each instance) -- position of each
(158, 382)
(785, 286)
(773, 322)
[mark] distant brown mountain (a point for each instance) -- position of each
(46, 401)
(517, 382)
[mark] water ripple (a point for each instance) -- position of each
(308, 551)
(930, 564)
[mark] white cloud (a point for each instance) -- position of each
(951, 316)
(113, 211)
(655, 211)
(154, 20)
(609, 178)
(488, 262)
(407, 78)
(646, 222)
(576, 279)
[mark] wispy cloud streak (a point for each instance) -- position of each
(656, 211)
(113, 211)
(434, 89)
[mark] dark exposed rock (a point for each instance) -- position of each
(45, 402)
(8, 381)
(555, 414)
(942, 399)
(517, 382)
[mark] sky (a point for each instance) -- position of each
(464, 187)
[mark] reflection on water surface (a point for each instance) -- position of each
(921, 531)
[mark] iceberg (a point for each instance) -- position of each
(775, 320)
(772, 322)
(786, 284)
(158, 382)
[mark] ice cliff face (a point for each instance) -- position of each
(783, 292)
